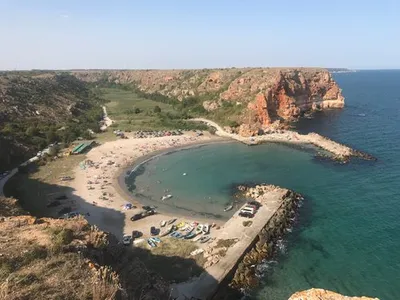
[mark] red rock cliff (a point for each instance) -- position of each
(265, 94)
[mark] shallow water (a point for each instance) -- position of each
(347, 236)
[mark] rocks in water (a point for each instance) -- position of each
(318, 294)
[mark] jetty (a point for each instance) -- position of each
(206, 285)
(340, 151)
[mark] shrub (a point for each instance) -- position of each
(157, 109)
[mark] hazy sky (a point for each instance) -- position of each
(52, 34)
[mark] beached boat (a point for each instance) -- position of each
(198, 237)
(189, 229)
(151, 243)
(185, 227)
(166, 231)
(197, 251)
(199, 229)
(228, 208)
(171, 221)
(204, 239)
(206, 229)
(190, 235)
(176, 234)
(163, 223)
(166, 197)
(181, 224)
(155, 239)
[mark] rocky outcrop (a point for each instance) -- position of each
(265, 94)
(320, 294)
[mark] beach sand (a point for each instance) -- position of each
(96, 191)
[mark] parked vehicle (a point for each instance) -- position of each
(246, 214)
(136, 217)
(126, 240)
(136, 234)
(154, 230)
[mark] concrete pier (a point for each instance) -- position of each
(205, 286)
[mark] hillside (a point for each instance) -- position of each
(36, 110)
(68, 259)
(254, 98)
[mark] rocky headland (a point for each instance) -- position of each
(259, 96)
(321, 294)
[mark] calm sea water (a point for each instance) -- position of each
(347, 237)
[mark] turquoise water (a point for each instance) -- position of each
(347, 236)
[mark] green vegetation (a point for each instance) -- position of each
(133, 110)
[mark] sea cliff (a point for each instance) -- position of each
(257, 97)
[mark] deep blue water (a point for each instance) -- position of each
(347, 237)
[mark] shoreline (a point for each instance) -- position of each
(122, 188)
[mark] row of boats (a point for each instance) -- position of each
(197, 232)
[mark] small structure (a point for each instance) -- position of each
(83, 147)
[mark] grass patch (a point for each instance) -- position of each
(172, 260)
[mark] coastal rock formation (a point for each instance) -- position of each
(320, 294)
(262, 95)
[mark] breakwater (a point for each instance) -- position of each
(240, 242)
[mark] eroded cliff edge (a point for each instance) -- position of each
(257, 97)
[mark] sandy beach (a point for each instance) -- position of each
(95, 188)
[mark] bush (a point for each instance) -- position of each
(61, 238)
(157, 109)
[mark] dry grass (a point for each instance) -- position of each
(171, 259)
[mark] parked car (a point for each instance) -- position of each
(136, 234)
(154, 230)
(148, 208)
(254, 203)
(126, 240)
(136, 217)
(246, 214)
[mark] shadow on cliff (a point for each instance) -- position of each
(42, 199)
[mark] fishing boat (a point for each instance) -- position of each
(185, 227)
(166, 231)
(190, 235)
(189, 229)
(199, 229)
(177, 235)
(166, 197)
(171, 221)
(204, 239)
(198, 237)
(228, 208)
(181, 224)
(197, 251)
(206, 229)
(151, 243)
(163, 223)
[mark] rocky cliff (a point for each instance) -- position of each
(262, 95)
(320, 294)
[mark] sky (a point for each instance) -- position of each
(175, 34)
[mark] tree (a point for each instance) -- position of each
(138, 111)
(157, 109)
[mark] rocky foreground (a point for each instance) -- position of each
(320, 294)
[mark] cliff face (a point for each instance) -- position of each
(320, 294)
(265, 94)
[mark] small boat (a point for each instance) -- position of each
(185, 227)
(184, 174)
(166, 197)
(177, 235)
(197, 251)
(198, 237)
(171, 221)
(204, 239)
(206, 229)
(190, 235)
(199, 229)
(151, 243)
(189, 229)
(228, 208)
(166, 231)
(163, 223)
(181, 224)
(155, 239)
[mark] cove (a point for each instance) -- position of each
(346, 238)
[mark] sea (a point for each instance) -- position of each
(347, 234)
